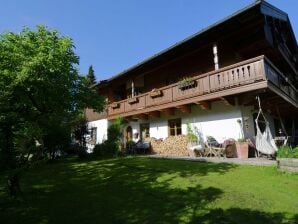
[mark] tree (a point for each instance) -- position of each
(91, 76)
(41, 94)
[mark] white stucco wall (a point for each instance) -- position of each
(102, 130)
(219, 122)
(159, 127)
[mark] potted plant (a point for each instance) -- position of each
(115, 105)
(192, 139)
(242, 148)
(287, 159)
(133, 100)
(186, 83)
(155, 93)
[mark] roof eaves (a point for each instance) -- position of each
(186, 40)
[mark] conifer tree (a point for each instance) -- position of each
(91, 76)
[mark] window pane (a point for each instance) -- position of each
(93, 135)
(172, 132)
(179, 131)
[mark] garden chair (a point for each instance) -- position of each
(197, 148)
(214, 149)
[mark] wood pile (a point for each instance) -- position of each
(171, 146)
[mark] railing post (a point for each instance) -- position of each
(209, 86)
(263, 68)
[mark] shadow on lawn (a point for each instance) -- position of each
(237, 215)
(136, 190)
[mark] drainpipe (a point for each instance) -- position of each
(132, 89)
(216, 66)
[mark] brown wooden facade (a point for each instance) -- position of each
(257, 55)
(254, 74)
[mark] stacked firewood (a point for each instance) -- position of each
(171, 146)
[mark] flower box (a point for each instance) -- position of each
(115, 105)
(133, 100)
(183, 85)
(155, 93)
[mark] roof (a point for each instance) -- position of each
(265, 8)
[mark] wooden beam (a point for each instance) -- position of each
(249, 98)
(185, 108)
(205, 105)
(169, 111)
(142, 116)
(155, 113)
(128, 118)
(228, 101)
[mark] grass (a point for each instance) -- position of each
(144, 190)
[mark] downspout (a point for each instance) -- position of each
(216, 65)
(132, 89)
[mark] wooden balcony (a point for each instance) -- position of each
(253, 74)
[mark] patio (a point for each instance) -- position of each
(249, 161)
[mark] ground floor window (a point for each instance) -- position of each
(93, 135)
(174, 127)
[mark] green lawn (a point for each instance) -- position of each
(144, 190)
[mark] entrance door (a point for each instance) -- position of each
(144, 129)
(128, 134)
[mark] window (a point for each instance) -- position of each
(137, 91)
(175, 127)
(93, 135)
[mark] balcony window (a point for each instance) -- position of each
(137, 91)
(174, 127)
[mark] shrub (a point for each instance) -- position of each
(191, 136)
(82, 152)
(112, 145)
(287, 152)
(107, 148)
(115, 130)
(72, 149)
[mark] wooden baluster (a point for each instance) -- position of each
(225, 79)
(231, 78)
(244, 75)
(248, 67)
(211, 82)
(218, 79)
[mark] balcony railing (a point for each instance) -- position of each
(280, 81)
(231, 77)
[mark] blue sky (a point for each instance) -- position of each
(115, 35)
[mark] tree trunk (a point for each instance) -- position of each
(13, 185)
(13, 180)
(8, 149)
